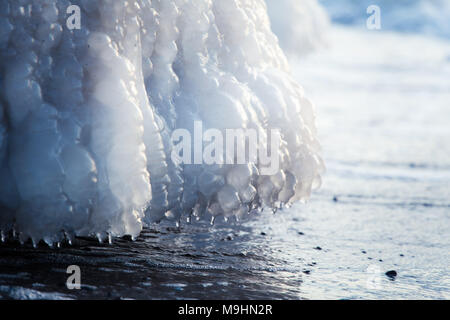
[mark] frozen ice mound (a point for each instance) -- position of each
(86, 115)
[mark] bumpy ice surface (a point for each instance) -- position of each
(86, 115)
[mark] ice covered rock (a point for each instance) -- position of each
(87, 115)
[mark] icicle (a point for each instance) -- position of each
(22, 238)
(68, 237)
(49, 242)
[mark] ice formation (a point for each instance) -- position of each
(86, 114)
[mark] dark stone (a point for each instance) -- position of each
(391, 274)
(318, 248)
(335, 199)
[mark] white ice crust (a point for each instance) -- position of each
(86, 115)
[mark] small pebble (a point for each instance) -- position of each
(318, 248)
(391, 274)
(127, 237)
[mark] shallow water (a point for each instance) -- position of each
(382, 112)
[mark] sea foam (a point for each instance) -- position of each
(86, 115)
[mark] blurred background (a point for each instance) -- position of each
(382, 99)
